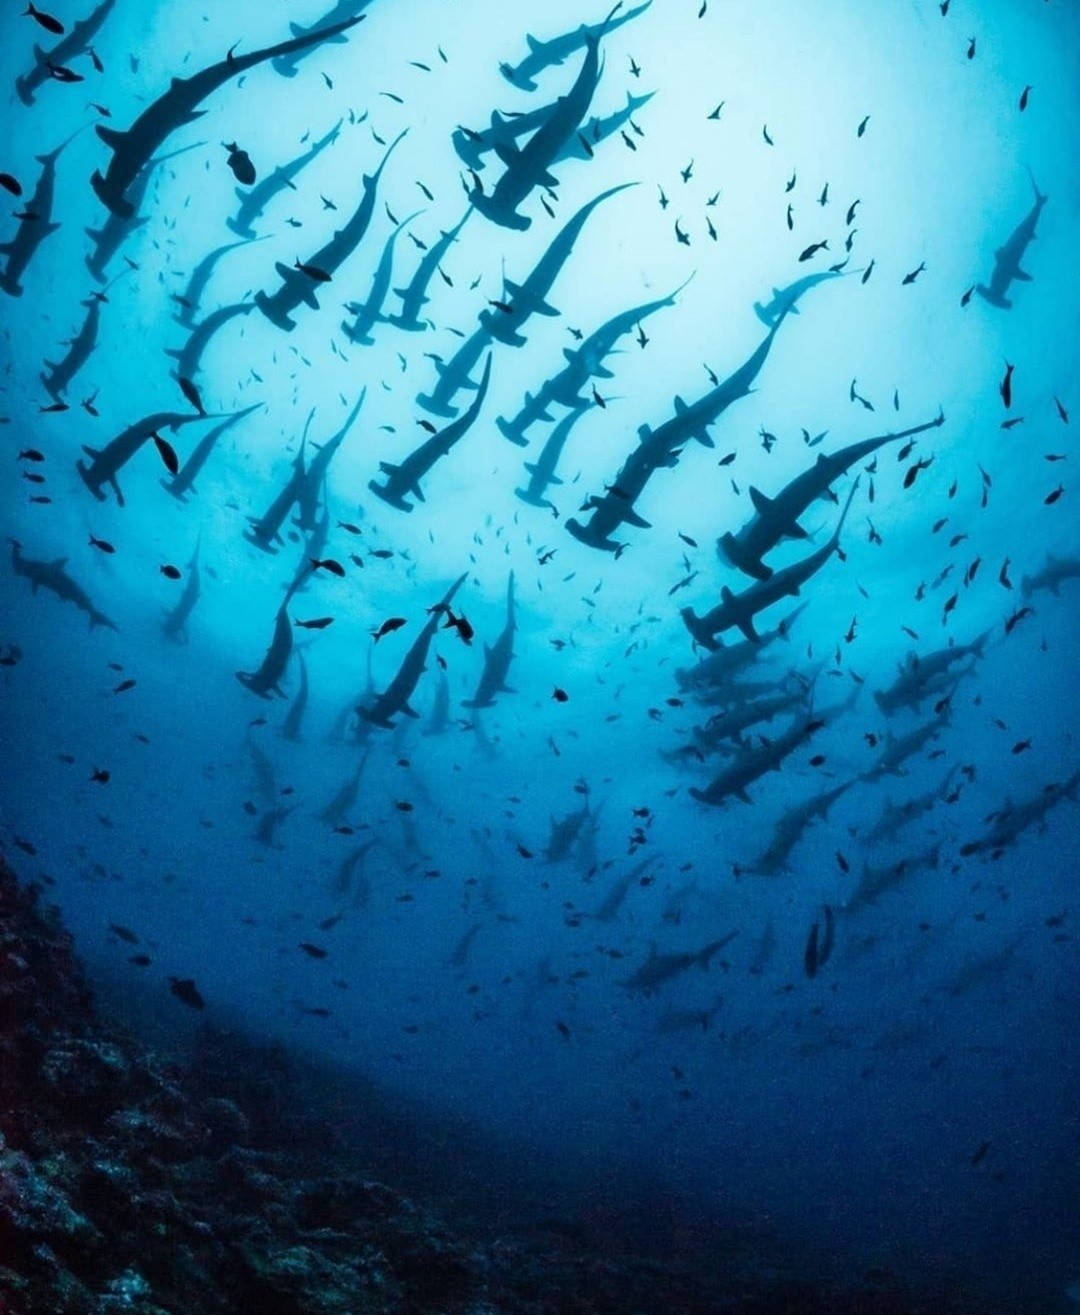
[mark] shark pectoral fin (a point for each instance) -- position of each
(92, 452)
(507, 152)
(59, 564)
(760, 501)
(633, 518)
(418, 492)
(310, 299)
(602, 372)
(741, 794)
(795, 531)
(408, 711)
(285, 271)
(110, 136)
(747, 627)
(1022, 275)
(546, 179)
(680, 406)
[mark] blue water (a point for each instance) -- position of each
(840, 1117)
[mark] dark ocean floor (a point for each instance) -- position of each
(219, 1180)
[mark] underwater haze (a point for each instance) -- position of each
(543, 570)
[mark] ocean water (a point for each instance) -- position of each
(868, 1056)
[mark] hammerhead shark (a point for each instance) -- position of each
(414, 296)
(545, 54)
(741, 609)
(473, 146)
(542, 471)
(530, 167)
(786, 299)
(404, 478)
(189, 357)
(298, 284)
(721, 669)
(897, 749)
(455, 375)
(54, 577)
(183, 482)
(267, 679)
(80, 348)
(116, 229)
(660, 449)
(106, 463)
(1007, 259)
(521, 300)
(319, 465)
(369, 313)
(583, 364)
(35, 225)
(265, 531)
(174, 626)
(285, 64)
(926, 676)
(254, 200)
(497, 659)
(134, 148)
(777, 518)
(395, 698)
(75, 42)
(753, 763)
(188, 301)
(661, 968)
(792, 825)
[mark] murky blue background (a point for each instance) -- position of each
(838, 1115)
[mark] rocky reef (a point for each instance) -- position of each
(203, 1185)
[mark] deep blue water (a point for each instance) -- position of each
(911, 1100)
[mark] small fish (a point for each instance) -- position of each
(60, 73)
(910, 278)
(980, 1154)
(240, 163)
(967, 295)
(46, 21)
(328, 564)
(913, 471)
(971, 48)
(314, 951)
(101, 776)
(1024, 98)
(123, 933)
(184, 989)
(124, 686)
(10, 184)
(388, 627)
(170, 572)
(861, 129)
(1005, 387)
(1053, 496)
(313, 272)
(868, 271)
(167, 453)
(102, 545)
(319, 623)
(812, 250)
(560, 695)
(141, 960)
